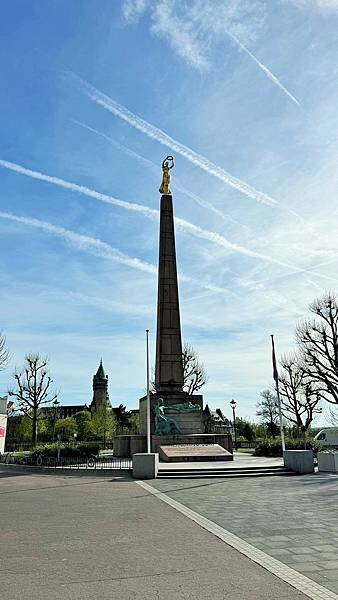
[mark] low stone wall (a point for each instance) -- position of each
(138, 443)
(300, 461)
(128, 445)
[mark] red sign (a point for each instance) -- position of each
(2, 431)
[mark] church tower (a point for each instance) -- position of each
(100, 389)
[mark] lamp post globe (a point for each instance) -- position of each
(233, 405)
(56, 405)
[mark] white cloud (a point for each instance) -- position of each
(180, 33)
(325, 5)
(133, 9)
(193, 28)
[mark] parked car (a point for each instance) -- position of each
(327, 437)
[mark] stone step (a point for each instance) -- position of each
(166, 467)
(223, 473)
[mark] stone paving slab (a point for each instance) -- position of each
(294, 520)
(65, 538)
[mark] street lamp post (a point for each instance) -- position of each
(148, 395)
(56, 405)
(233, 405)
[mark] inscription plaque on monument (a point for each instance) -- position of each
(193, 452)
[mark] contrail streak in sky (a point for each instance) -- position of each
(84, 242)
(102, 249)
(150, 213)
(81, 189)
(151, 165)
(163, 138)
(264, 68)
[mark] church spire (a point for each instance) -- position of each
(100, 388)
(100, 374)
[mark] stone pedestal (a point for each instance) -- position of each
(145, 466)
(300, 461)
(327, 462)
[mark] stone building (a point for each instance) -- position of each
(100, 389)
(215, 421)
(100, 397)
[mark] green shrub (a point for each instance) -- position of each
(88, 448)
(273, 447)
(21, 457)
(66, 450)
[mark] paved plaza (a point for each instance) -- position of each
(292, 519)
(72, 537)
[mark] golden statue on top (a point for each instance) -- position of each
(167, 165)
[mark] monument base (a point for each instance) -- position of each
(193, 452)
(127, 445)
(205, 439)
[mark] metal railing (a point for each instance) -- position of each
(25, 446)
(89, 463)
(246, 444)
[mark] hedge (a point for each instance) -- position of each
(273, 447)
(51, 450)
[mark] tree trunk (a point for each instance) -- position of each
(272, 430)
(35, 428)
(304, 436)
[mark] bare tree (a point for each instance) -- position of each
(194, 373)
(299, 396)
(32, 389)
(4, 353)
(318, 343)
(267, 409)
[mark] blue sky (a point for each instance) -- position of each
(244, 95)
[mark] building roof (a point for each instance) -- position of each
(100, 374)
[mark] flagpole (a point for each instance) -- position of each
(276, 378)
(148, 395)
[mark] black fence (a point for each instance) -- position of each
(25, 446)
(247, 444)
(89, 463)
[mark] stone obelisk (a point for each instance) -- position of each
(169, 364)
(169, 360)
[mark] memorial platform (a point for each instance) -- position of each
(193, 452)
